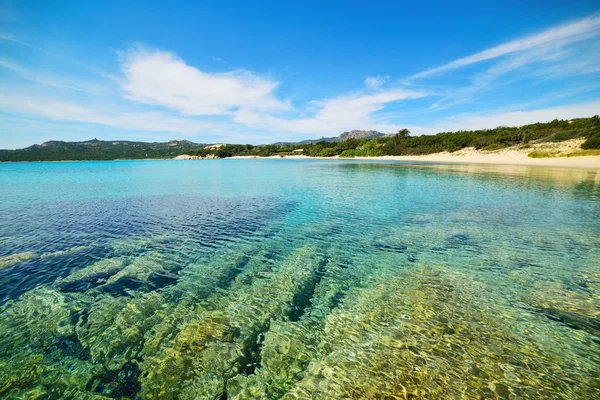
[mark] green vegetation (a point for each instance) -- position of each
(402, 143)
(540, 154)
(592, 142)
(580, 153)
(495, 146)
(99, 150)
(399, 144)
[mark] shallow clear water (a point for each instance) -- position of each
(298, 279)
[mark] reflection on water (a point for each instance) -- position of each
(562, 176)
(265, 279)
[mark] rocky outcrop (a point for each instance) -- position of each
(215, 146)
(188, 157)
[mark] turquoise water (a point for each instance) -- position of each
(298, 279)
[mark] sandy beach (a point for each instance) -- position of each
(508, 156)
(587, 162)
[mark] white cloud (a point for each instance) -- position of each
(375, 82)
(189, 97)
(552, 38)
(161, 78)
(334, 115)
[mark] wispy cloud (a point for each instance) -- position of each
(565, 51)
(558, 36)
(375, 82)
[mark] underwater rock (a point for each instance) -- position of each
(44, 375)
(113, 329)
(395, 248)
(289, 345)
(201, 388)
(91, 276)
(136, 244)
(248, 387)
(226, 333)
(138, 267)
(459, 239)
(121, 384)
(203, 279)
(126, 286)
(6, 261)
(161, 279)
(574, 320)
(118, 276)
(37, 319)
(579, 309)
(287, 350)
(39, 353)
(205, 345)
(62, 253)
(284, 356)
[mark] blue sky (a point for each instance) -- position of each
(259, 72)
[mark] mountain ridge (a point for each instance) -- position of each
(353, 134)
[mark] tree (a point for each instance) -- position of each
(403, 134)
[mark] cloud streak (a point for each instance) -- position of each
(566, 51)
(375, 82)
(561, 35)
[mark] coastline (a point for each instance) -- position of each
(582, 162)
(515, 155)
(586, 162)
(466, 156)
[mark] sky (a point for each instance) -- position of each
(267, 71)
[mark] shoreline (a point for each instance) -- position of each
(582, 162)
(506, 158)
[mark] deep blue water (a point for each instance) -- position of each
(268, 278)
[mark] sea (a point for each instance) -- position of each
(298, 279)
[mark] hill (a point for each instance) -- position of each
(99, 150)
(354, 134)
